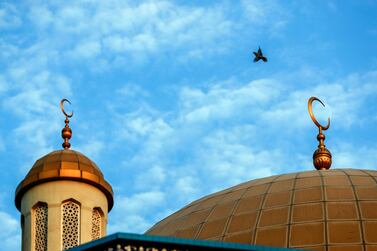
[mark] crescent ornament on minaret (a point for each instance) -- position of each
(66, 131)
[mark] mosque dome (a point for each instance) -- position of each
(64, 165)
(317, 210)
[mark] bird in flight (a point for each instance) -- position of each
(259, 55)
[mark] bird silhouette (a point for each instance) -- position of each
(259, 55)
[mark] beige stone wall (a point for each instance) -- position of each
(55, 193)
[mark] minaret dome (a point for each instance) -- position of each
(64, 200)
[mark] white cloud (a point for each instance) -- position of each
(32, 97)
(103, 29)
(346, 155)
(91, 147)
(121, 32)
(129, 213)
(87, 49)
(9, 232)
(41, 16)
(187, 186)
(142, 125)
(352, 93)
(256, 10)
(225, 102)
(229, 154)
(151, 179)
(271, 14)
(132, 90)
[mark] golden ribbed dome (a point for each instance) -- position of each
(64, 165)
(317, 210)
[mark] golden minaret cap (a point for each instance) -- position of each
(66, 131)
(321, 156)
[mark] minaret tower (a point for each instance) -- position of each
(64, 200)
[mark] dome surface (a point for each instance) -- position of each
(317, 210)
(64, 165)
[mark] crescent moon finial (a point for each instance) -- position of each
(310, 108)
(322, 156)
(62, 107)
(66, 132)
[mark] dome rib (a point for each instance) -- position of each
(324, 212)
(290, 211)
(357, 207)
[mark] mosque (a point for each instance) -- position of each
(64, 202)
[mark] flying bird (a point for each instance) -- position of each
(259, 55)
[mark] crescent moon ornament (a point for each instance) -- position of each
(322, 156)
(66, 131)
(310, 108)
(62, 107)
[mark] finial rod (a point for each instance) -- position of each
(66, 131)
(322, 156)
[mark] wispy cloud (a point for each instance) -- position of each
(128, 215)
(346, 155)
(9, 232)
(32, 99)
(116, 29)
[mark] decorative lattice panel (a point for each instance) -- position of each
(96, 224)
(40, 227)
(70, 225)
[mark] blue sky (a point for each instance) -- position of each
(168, 102)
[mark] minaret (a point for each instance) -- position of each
(64, 200)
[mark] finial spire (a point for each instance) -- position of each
(321, 156)
(66, 132)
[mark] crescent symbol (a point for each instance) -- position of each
(310, 108)
(62, 107)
